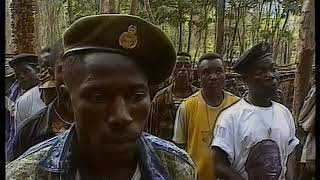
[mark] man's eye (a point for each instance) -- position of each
(27, 71)
(138, 96)
(218, 71)
(98, 98)
(259, 73)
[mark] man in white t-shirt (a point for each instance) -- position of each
(255, 137)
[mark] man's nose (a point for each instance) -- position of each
(120, 116)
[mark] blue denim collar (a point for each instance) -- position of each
(58, 158)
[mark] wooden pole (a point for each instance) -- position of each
(305, 57)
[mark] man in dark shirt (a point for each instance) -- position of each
(167, 101)
(50, 121)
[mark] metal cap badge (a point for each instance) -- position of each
(129, 40)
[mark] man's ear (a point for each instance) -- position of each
(64, 90)
(244, 78)
(65, 95)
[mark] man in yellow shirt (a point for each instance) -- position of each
(197, 115)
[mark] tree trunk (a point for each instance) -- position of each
(149, 11)
(255, 34)
(133, 7)
(240, 39)
(276, 44)
(70, 12)
(190, 34)
(119, 7)
(269, 15)
(103, 7)
(306, 55)
(205, 28)
(234, 32)
(180, 32)
(23, 30)
(228, 37)
(112, 7)
(220, 27)
(198, 44)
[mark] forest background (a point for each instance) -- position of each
(228, 27)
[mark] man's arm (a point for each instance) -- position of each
(291, 166)
(222, 164)
(180, 128)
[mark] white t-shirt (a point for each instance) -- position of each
(28, 104)
(257, 140)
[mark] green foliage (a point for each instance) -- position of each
(252, 17)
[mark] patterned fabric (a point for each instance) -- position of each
(307, 120)
(163, 113)
(11, 96)
(158, 160)
(39, 127)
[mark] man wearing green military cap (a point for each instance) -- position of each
(110, 62)
(255, 138)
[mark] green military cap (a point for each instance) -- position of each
(129, 35)
(24, 58)
(252, 55)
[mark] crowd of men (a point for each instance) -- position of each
(90, 107)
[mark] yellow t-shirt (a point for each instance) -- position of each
(194, 126)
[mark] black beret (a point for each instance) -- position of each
(24, 58)
(125, 34)
(253, 54)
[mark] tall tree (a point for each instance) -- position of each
(112, 6)
(134, 7)
(70, 12)
(23, 25)
(103, 6)
(149, 11)
(180, 24)
(306, 55)
(190, 32)
(205, 24)
(220, 26)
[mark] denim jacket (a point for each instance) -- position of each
(158, 160)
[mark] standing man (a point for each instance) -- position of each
(166, 102)
(110, 61)
(197, 115)
(255, 138)
(307, 120)
(50, 121)
(25, 69)
(31, 102)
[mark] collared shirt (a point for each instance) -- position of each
(28, 104)
(34, 130)
(11, 95)
(51, 159)
(194, 125)
(163, 112)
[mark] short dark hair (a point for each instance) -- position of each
(209, 56)
(184, 54)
